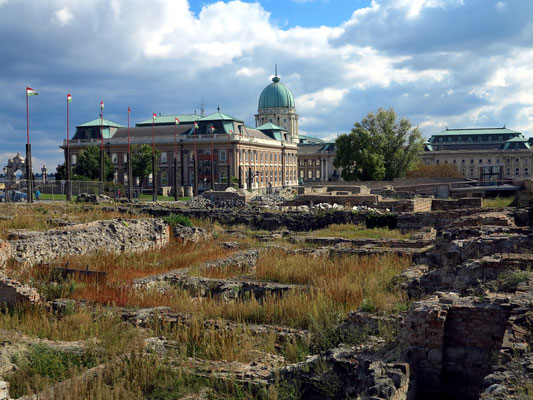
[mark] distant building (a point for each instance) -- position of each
(486, 154)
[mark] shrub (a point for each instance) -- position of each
(387, 220)
(177, 219)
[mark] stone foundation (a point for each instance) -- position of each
(13, 292)
(111, 236)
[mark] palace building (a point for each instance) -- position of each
(260, 158)
(485, 154)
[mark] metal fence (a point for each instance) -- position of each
(17, 191)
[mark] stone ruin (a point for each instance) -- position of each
(467, 335)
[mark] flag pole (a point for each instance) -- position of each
(69, 163)
(29, 194)
(229, 151)
(195, 164)
(130, 171)
(176, 122)
(102, 178)
(212, 158)
(154, 178)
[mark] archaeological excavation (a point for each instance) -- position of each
(344, 295)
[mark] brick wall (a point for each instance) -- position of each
(445, 204)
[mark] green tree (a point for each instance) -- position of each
(378, 148)
(141, 161)
(61, 172)
(88, 164)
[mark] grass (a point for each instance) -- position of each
(350, 231)
(498, 202)
(37, 216)
(49, 196)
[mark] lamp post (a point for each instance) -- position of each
(29, 173)
(154, 177)
(195, 164)
(177, 121)
(102, 178)
(130, 169)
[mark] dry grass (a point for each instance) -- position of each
(35, 216)
(351, 231)
(345, 280)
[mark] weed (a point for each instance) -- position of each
(177, 219)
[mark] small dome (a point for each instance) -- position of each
(276, 95)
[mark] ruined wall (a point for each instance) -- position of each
(446, 204)
(5, 253)
(114, 236)
(451, 347)
(13, 292)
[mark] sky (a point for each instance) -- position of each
(455, 63)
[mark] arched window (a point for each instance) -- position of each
(470, 139)
(517, 171)
(114, 158)
(302, 173)
(223, 155)
(310, 174)
(450, 139)
(479, 139)
(73, 159)
(317, 175)
(125, 178)
(164, 179)
(500, 139)
(460, 139)
(150, 178)
(441, 140)
(490, 139)
(164, 158)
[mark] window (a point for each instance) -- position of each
(125, 159)
(455, 161)
(317, 175)
(150, 177)
(223, 175)
(261, 156)
(508, 171)
(437, 161)
(471, 161)
(73, 159)
(480, 160)
(301, 163)
(310, 162)
(125, 178)
(462, 161)
(223, 155)
(317, 162)
(489, 161)
(471, 171)
(310, 174)
(460, 139)
(508, 160)
(164, 179)
(285, 120)
(490, 139)
(163, 159)
(500, 139)
(479, 139)
(441, 140)
(517, 171)
(526, 171)
(114, 158)
(470, 139)
(450, 139)
(302, 173)
(497, 161)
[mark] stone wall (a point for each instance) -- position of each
(294, 221)
(112, 236)
(445, 204)
(13, 292)
(5, 253)
(451, 347)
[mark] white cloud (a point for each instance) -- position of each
(63, 16)
(249, 72)
(326, 98)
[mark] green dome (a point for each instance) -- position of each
(276, 95)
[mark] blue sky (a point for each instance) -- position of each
(456, 63)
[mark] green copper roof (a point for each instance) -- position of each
(310, 139)
(269, 126)
(218, 116)
(98, 122)
(276, 95)
(476, 131)
(171, 119)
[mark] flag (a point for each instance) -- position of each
(129, 109)
(69, 98)
(154, 116)
(177, 121)
(195, 125)
(102, 104)
(212, 129)
(231, 132)
(31, 92)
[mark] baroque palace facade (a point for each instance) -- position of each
(485, 154)
(269, 155)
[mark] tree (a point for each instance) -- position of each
(61, 172)
(88, 164)
(141, 161)
(378, 148)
